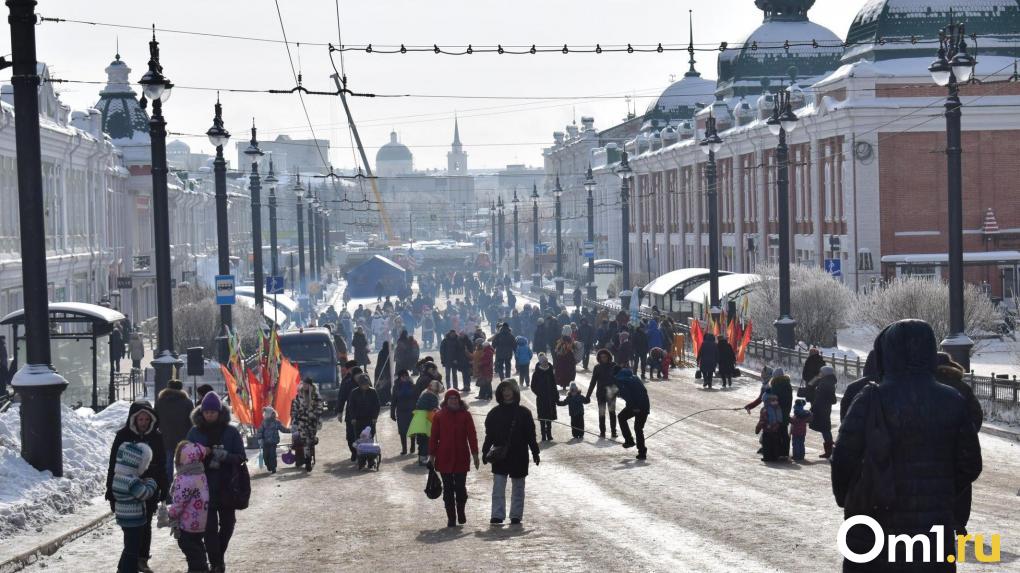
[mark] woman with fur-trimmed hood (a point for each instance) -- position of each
(511, 426)
(304, 412)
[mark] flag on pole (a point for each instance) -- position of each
(240, 408)
(745, 340)
(697, 335)
(286, 390)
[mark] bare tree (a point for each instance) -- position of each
(928, 300)
(197, 321)
(819, 303)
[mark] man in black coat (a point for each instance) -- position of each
(639, 338)
(603, 384)
(173, 410)
(348, 371)
(855, 387)
(504, 344)
(142, 426)
(933, 452)
(363, 406)
(450, 350)
(116, 348)
(586, 335)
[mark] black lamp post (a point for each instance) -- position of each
(218, 137)
(320, 243)
(274, 253)
(501, 221)
(254, 154)
(312, 266)
(711, 144)
(156, 88)
(625, 173)
(492, 239)
(783, 121)
(557, 194)
(302, 286)
(589, 186)
(953, 66)
(36, 382)
(536, 273)
(517, 240)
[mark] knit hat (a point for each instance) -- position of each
(542, 358)
(778, 372)
(133, 458)
(827, 371)
(574, 388)
(211, 403)
(268, 412)
(175, 385)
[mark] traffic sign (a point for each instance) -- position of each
(834, 267)
(225, 289)
(274, 285)
(589, 249)
(124, 282)
(541, 248)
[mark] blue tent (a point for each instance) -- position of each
(364, 279)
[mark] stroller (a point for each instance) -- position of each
(368, 450)
(300, 453)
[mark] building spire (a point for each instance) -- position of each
(691, 73)
(456, 131)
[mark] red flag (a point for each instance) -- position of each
(696, 336)
(744, 342)
(286, 390)
(255, 387)
(239, 407)
(733, 332)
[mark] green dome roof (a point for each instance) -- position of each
(123, 119)
(899, 22)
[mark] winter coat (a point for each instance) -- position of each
(574, 403)
(630, 388)
(602, 376)
(173, 408)
(404, 398)
(453, 440)
(136, 346)
(116, 344)
(407, 354)
(708, 354)
(482, 361)
(543, 385)
(727, 358)
(953, 377)
(451, 351)
(360, 344)
(189, 505)
(821, 405)
(769, 419)
(504, 343)
(305, 409)
(131, 492)
(624, 350)
(655, 338)
(218, 432)
(498, 423)
(586, 334)
(565, 363)
(538, 342)
(934, 449)
(268, 433)
(523, 354)
(799, 422)
(154, 440)
(640, 341)
(363, 405)
(812, 366)
(466, 358)
(780, 386)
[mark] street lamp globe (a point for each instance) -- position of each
(271, 176)
(941, 71)
(253, 153)
(515, 200)
(534, 193)
(788, 121)
(218, 136)
(589, 181)
(963, 64)
(557, 190)
(624, 171)
(712, 143)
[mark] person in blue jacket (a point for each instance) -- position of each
(522, 359)
(632, 390)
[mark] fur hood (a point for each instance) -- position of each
(513, 385)
(199, 421)
(947, 373)
(173, 392)
(137, 408)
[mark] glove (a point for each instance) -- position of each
(219, 454)
(537, 459)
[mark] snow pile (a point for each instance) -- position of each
(30, 498)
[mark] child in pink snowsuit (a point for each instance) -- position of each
(189, 508)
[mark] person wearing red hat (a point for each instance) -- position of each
(452, 445)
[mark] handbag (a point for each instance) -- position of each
(874, 486)
(697, 374)
(499, 453)
(433, 484)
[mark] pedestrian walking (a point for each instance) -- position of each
(421, 419)
(137, 349)
(565, 362)
(509, 436)
(453, 444)
(213, 430)
(131, 493)
(383, 367)
(116, 348)
(798, 428)
(770, 422)
(727, 362)
(360, 344)
(575, 401)
(402, 407)
(543, 385)
(189, 504)
(268, 436)
(173, 410)
(632, 390)
(305, 422)
(364, 403)
(822, 396)
(522, 360)
(483, 358)
(708, 359)
(603, 384)
(466, 362)
(504, 344)
(813, 365)
(451, 355)
(780, 387)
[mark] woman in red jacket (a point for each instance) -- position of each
(452, 446)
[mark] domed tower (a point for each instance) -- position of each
(900, 22)
(779, 49)
(123, 119)
(683, 98)
(393, 159)
(456, 158)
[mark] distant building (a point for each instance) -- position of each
(289, 155)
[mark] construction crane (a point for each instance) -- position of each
(341, 87)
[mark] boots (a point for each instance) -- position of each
(461, 515)
(451, 516)
(828, 450)
(602, 426)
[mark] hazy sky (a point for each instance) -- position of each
(494, 131)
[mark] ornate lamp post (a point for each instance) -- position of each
(312, 255)
(711, 144)
(536, 273)
(254, 155)
(38, 385)
(954, 65)
(302, 286)
(589, 186)
(218, 137)
(501, 220)
(783, 121)
(517, 240)
(625, 173)
(557, 194)
(156, 88)
(492, 239)
(274, 253)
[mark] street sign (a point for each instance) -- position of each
(225, 289)
(274, 285)
(541, 248)
(589, 249)
(834, 267)
(124, 282)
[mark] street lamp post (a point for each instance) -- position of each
(557, 194)
(313, 273)
(711, 144)
(952, 66)
(589, 186)
(274, 252)
(38, 385)
(492, 238)
(517, 240)
(320, 232)
(157, 88)
(302, 286)
(783, 121)
(218, 137)
(536, 273)
(254, 155)
(501, 221)
(625, 173)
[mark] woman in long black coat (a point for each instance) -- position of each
(823, 398)
(383, 382)
(498, 423)
(708, 359)
(360, 344)
(727, 362)
(543, 385)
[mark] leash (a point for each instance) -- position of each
(649, 436)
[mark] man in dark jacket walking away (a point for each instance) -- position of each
(504, 344)
(450, 351)
(142, 426)
(708, 359)
(603, 383)
(634, 393)
(586, 336)
(640, 341)
(926, 457)
(349, 371)
(951, 374)
(173, 410)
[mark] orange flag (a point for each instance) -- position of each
(239, 407)
(257, 400)
(696, 336)
(286, 390)
(744, 342)
(733, 332)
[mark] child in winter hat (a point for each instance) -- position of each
(130, 492)
(798, 428)
(189, 508)
(575, 402)
(269, 436)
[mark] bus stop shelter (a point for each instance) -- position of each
(80, 347)
(668, 292)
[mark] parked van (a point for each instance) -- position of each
(313, 352)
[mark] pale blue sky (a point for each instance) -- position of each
(494, 132)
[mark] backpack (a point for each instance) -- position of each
(874, 487)
(236, 493)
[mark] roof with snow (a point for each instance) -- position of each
(729, 285)
(667, 282)
(888, 29)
